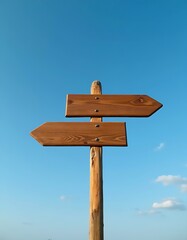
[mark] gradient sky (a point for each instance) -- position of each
(49, 49)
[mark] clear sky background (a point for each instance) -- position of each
(52, 48)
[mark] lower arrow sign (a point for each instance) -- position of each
(81, 134)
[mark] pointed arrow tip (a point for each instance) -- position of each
(159, 106)
(35, 134)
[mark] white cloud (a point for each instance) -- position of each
(62, 197)
(166, 204)
(171, 180)
(148, 212)
(178, 181)
(160, 146)
(183, 187)
(170, 204)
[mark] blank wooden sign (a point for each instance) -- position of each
(110, 105)
(81, 134)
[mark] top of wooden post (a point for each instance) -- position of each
(96, 87)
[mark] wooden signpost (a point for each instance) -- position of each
(95, 134)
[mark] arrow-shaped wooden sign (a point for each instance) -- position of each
(110, 105)
(81, 134)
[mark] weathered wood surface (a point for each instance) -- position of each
(96, 181)
(110, 105)
(81, 134)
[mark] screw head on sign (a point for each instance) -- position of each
(96, 98)
(97, 139)
(97, 125)
(96, 110)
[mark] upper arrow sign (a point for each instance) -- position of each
(110, 105)
(81, 134)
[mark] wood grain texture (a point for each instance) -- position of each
(96, 181)
(81, 134)
(110, 105)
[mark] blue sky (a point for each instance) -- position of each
(49, 49)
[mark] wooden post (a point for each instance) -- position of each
(96, 179)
